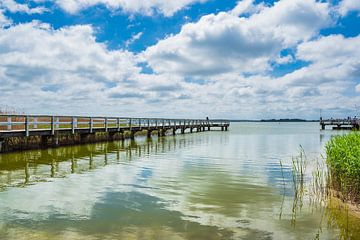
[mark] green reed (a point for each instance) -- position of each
(343, 159)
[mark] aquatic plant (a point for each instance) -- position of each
(299, 164)
(343, 159)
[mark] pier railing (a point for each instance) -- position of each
(346, 123)
(37, 123)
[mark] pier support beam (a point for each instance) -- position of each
(174, 131)
(161, 133)
(112, 136)
(44, 141)
(322, 126)
(1, 144)
(226, 128)
(191, 129)
(84, 138)
(208, 128)
(148, 134)
(132, 135)
(182, 130)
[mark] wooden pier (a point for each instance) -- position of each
(49, 129)
(340, 124)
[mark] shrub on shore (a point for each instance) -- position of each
(343, 159)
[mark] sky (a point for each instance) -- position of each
(248, 59)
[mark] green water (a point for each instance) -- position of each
(209, 185)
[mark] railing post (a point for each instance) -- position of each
(52, 125)
(9, 127)
(57, 123)
(118, 123)
(27, 126)
(163, 123)
(148, 123)
(91, 125)
(73, 125)
(130, 123)
(35, 122)
(106, 124)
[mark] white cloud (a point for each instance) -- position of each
(40, 65)
(246, 6)
(198, 72)
(13, 6)
(133, 39)
(335, 61)
(224, 42)
(346, 6)
(284, 59)
(148, 7)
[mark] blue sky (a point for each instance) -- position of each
(187, 58)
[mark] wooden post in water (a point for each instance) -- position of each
(149, 133)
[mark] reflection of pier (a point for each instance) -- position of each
(19, 169)
(53, 131)
(340, 124)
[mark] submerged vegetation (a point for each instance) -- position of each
(343, 159)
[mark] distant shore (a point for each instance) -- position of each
(276, 120)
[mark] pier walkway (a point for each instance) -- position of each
(339, 124)
(50, 128)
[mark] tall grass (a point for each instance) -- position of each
(343, 159)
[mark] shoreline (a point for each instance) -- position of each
(352, 207)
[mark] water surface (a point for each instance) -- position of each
(209, 185)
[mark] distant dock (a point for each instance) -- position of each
(20, 132)
(340, 124)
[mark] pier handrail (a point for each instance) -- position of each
(27, 123)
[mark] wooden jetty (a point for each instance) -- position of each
(340, 124)
(49, 129)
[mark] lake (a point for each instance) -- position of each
(209, 185)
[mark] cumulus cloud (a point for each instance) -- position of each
(224, 42)
(246, 7)
(13, 6)
(198, 72)
(148, 7)
(68, 64)
(346, 6)
(333, 51)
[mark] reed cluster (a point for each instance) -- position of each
(343, 159)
